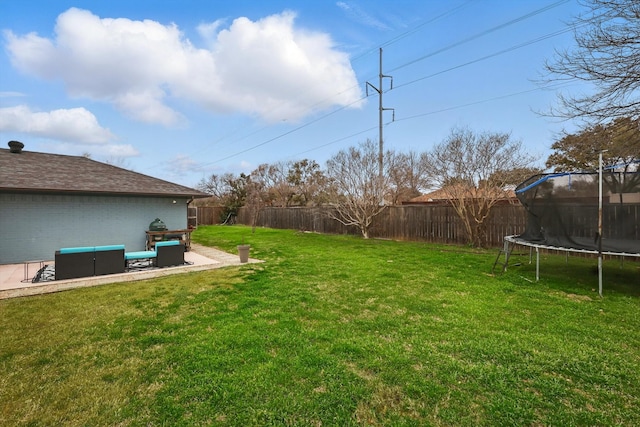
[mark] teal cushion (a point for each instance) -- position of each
(109, 248)
(77, 250)
(140, 255)
(168, 243)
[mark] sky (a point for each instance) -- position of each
(180, 90)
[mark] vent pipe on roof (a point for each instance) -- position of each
(15, 147)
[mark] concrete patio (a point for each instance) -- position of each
(13, 283)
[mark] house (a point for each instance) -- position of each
(49, 201)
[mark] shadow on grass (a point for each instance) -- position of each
(619, 276)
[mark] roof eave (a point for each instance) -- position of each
(99, 193)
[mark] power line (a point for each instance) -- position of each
(469, 104)
(284, 134)
(466, 40)
(415, 29)
(403, 85)
(482, 34)
(483, 58)
(387, 43)
(336, 140)
(417, 116)
(449, 47)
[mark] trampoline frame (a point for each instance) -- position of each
(514, 240)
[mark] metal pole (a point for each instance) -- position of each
(600, 225)
(506, 254)
(380, 111)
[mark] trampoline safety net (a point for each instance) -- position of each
(563, 209)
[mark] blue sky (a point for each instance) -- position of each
(183, 89)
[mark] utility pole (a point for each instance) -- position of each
(380, 111)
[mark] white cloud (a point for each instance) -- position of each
(117, 151)
(267, 68)
(361, 16)
(209, 30)
(115, 154)
(147, 107)
(182, 164)
(246, 166)
(11, 94)
(74, 125)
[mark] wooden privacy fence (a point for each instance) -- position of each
(431, 223)
(438, 224)
(204, 215)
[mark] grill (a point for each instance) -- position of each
(157, 225)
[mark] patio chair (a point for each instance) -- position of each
(169, 253)
(72, 263)
(109, 260)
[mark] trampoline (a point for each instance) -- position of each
(594, 213)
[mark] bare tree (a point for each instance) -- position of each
(228, 190)
(407, 176)
(606, 55)
(254, 202)
(465, 167)
(307, 181)
(218, 186)
(358, 192)
(271, 181)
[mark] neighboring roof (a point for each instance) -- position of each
(31, 172)
(443, 196)
(433, 197)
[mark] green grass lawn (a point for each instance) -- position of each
(331, 330)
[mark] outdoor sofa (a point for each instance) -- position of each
(165, 254)
(87, 261)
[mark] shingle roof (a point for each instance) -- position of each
(443, 195)
(54, 173)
